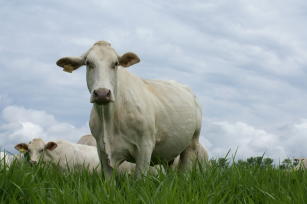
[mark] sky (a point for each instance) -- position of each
(246, 61)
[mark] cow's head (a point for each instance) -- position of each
(102, 63)
(36, 149)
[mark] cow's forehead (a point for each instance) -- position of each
(36, 143)
(101, 48)
(102, 43)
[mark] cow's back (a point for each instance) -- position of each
(87, 140)
(72, 154)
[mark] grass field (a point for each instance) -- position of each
(237, 183)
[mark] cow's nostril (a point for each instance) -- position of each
(101, 96)
(95, 93)
(109, 93)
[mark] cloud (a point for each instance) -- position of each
(288, 142)
(246, 61)
(293, 136)
(22, 125)
(240, 57)
(247, 140)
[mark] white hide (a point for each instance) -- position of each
(87, 140)
(65, 154)
(68, 155)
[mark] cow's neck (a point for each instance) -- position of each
(106, 116)
(105, 129)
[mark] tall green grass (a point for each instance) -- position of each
(46, 183)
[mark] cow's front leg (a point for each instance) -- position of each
(143, 158)
(104, 160)
(96, 127)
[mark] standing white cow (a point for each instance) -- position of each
(133, 119)
(87, 140)
(61, 152)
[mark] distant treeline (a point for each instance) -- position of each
(255, 162)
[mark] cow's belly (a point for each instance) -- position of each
(171, 139)
(171, 147)
(174, 134)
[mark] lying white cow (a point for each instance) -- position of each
(302, 164)
(61, 152)
(133, 119)
(87, 140)
(68, 154)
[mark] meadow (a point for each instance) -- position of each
(239, 182)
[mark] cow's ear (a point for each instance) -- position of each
(70, 64)
(51, 146)
(22, 147)
(128, 59)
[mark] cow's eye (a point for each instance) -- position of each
(89, 64)
(115, 64)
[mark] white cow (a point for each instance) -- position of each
(61, 152)
(68, 154)
(133, 119)
(302, 163)
(87, 140)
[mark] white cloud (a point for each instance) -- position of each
(22, 125)
(249, 141)
(4, 100)
(245, 60)
(294, 137)
(221, 136)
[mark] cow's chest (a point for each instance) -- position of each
(119, 149)
(119, 135)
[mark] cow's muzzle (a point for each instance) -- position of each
(101, 96)
(33, 162)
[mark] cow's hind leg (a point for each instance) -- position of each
(143, 159)
(195, 152)
(188, 157)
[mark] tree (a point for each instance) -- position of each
(286, 164)
(267, 162)
(260, 162)
(223, 162)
